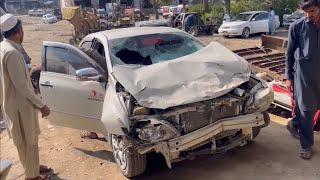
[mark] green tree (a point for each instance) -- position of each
(280, 7)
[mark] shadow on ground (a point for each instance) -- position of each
(56, 177)
(102, 154)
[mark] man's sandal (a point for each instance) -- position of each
(306, 153)
(45, 169)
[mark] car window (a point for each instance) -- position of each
(64, 61)
(96, 52)
(255, 16)
(153, 48)
(86, 44)
(242, 17)
(263, 16)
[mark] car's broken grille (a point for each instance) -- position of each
(207, 113)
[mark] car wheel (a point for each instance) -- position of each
(246, 33)
(128, 159)
(193, 31)
(209, 32)
(104, 26)
(256, 130)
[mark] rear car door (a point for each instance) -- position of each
(74, 103)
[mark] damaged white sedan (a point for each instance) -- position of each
(154, 91)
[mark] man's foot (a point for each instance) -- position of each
(306, 153)
(89, 135)
(45, 169)
(293, 130)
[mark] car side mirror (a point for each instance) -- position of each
(89, 74)
(254, 19)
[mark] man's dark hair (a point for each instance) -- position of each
(13, 31)
(306, 4)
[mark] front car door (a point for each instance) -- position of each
(254, 25)
(261, 23)
(74, 103)
(263, 19)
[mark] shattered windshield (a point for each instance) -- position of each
(152, 49)
(242, 17)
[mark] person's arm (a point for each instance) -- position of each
(16, 69)
(292, 47)
(290, 59)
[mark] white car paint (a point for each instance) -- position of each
(85, 104)
(257, 23)
(83, 95)
(61, 92)
(67, 96)
(49, 18)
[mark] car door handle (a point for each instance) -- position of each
(46, 84)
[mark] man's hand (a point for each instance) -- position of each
(45, 111)
(289, 84)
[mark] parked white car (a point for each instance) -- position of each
(36, 12)
(49, 18)
(154, 91)
(247, 23)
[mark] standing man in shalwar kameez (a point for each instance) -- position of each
(302, 73)
(272, 21)
(19, 101)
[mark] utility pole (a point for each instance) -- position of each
(228, 6)
(205, 5)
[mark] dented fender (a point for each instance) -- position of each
(114, 113)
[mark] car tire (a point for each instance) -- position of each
(209, 32)
(193, 31)
(104, 26)
(131, 163)
(256, 130)
(246, 32)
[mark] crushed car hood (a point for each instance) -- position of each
(208, 73)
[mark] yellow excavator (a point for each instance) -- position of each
(84, 22)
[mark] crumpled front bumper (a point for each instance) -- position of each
(230, 31)
(171, 148)
(189, 140)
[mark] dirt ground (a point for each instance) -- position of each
(273, 155)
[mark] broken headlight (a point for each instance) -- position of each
(263, 99)
(260, 101)
(156, 130)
